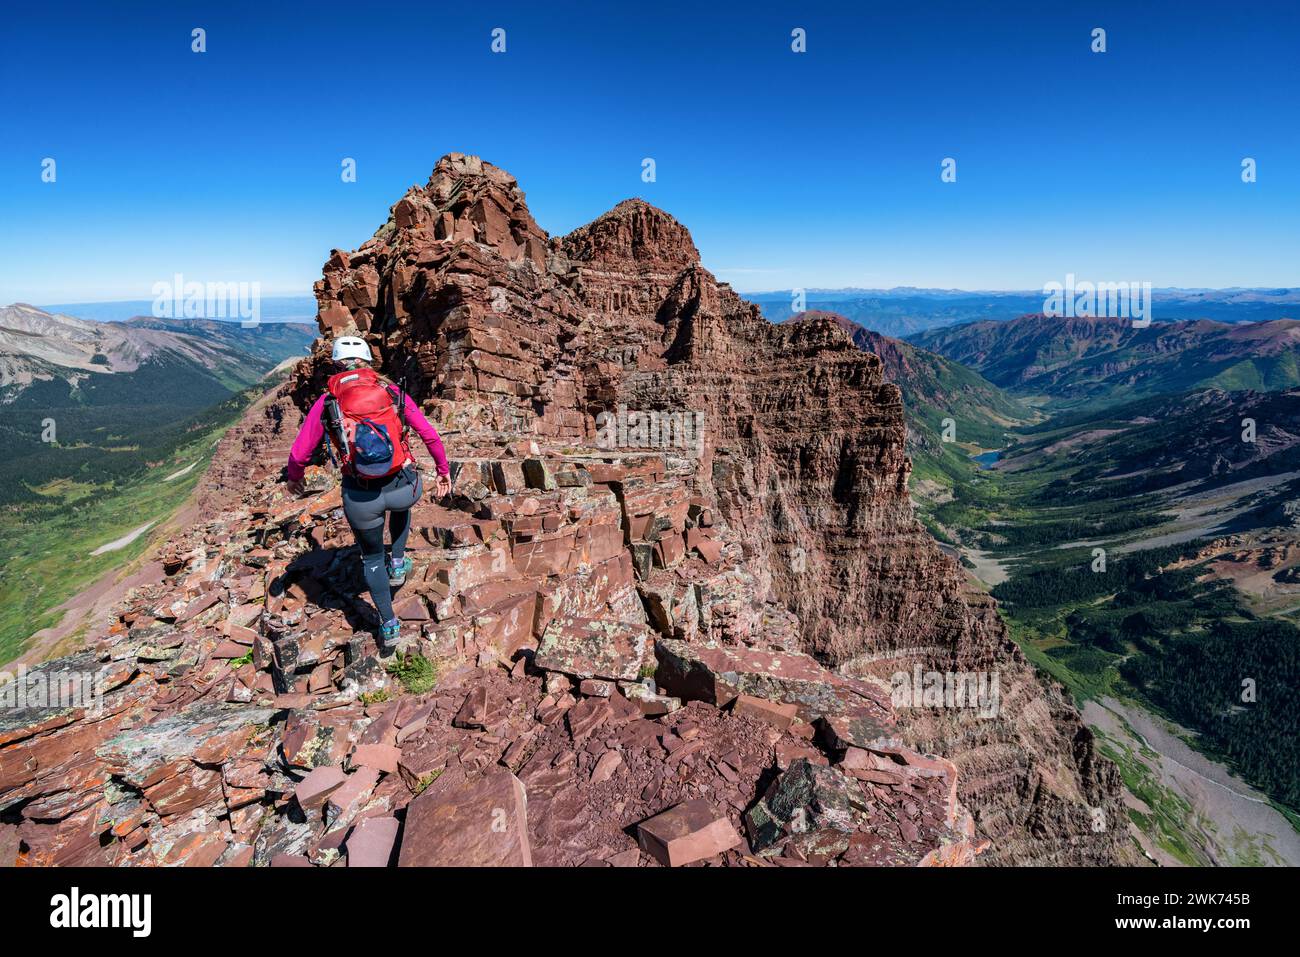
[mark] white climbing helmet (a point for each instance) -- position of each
(350, 347)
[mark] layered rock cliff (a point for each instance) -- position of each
(676, 583)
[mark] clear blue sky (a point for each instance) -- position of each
(814, 169)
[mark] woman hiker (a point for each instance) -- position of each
(366, 419)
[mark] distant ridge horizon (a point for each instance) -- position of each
(899, 311)
(1273, 292)
(1285, 293)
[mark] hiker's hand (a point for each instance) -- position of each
(295, 487)
(442, 485)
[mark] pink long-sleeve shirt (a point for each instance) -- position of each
(313, 430)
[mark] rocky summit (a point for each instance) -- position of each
(658, 622)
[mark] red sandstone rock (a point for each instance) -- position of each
(381, 757)
(606, 766)
(717, 675)
(709, 549)
(313, 790)
(648, 702)
(593, 648)
(689, 832)
(343, 803)
(596, 688)
(473, 712)
(774, 713)
(480, 822)
(371, 842)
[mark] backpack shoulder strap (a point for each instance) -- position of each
(398, 395)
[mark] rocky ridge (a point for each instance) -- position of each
(683, 639)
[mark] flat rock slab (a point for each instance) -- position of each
(773, 712)
(351, 796)
(9, 845)
(313, 790)
(606, 765)
(24, 710)
(473, 712)
(688, 832)
(718, 675)
(859, 728)
(480, 822)
(371, 842)
(593, 648)
(596, 688)
(381, 757)
(650, 704)
(206, 733)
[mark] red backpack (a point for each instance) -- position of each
(366, 420)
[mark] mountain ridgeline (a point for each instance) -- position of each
(95, 402)
(1085, 361)
(906, 312)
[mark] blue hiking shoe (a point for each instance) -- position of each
(397, 572)
(390, 632)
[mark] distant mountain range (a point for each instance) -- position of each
(1232, 294)
(1105, 361)
(905, 311)
(40, 346)
(118, 394)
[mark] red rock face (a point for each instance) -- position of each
(803, 458)
(628, 616)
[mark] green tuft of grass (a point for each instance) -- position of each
(416, 673)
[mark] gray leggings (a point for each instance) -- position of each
(365, 505)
